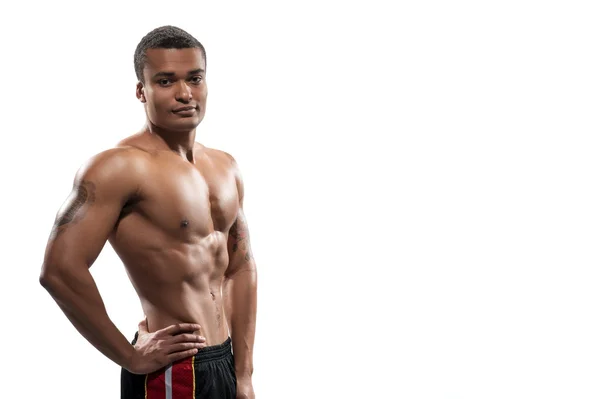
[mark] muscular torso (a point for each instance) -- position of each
(172, 235)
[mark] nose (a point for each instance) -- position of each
(184, 93)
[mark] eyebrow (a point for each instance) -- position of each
(169, 74)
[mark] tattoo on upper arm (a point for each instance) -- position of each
(85, 194)
(239, 239)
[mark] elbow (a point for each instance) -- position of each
(45, 275)
(51, 277)
(43, 279)
(47, 280)
(232, 270)
(56, 283)
(49, 283)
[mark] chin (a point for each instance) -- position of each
(189, 126)
(185, 124)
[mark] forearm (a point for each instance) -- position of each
(77, 295)
(243, 301)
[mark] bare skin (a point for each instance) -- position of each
(173, 236)
(172, 209)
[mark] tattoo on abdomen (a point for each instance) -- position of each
(85, 195)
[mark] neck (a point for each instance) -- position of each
(180, 142)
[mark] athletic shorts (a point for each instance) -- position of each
(209, 374)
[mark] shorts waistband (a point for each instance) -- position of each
(214, 352)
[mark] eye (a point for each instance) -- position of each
(163, 82)
(197, 79)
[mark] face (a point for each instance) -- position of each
(174, 92)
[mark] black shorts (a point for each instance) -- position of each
(209, 374)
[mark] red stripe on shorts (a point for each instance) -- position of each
(183, 379)
(155, 385)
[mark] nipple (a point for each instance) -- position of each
(184, 223)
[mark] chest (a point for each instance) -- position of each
(189, 201)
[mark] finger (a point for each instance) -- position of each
(186, 338)
(180, 328)
(143, 326)
(185, 347)
(181, 355)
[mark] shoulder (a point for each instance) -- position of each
(227, 162)
(117, 167)
(112, 159)
(222, 158)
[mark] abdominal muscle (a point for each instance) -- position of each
(180, 282)
(187, 305)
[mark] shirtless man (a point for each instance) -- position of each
(172, 209)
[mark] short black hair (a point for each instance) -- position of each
(167, 36)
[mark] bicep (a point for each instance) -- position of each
(85, 220)
(238, 240)
(238, 244)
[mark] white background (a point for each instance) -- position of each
(421, 188)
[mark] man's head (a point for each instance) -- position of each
(170, 65)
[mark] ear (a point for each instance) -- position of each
(139, 92)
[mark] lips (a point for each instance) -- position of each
(184, 109)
